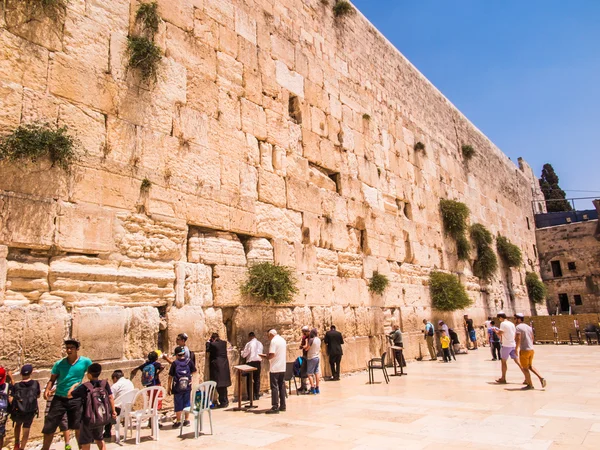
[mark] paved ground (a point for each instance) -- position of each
(436, 406)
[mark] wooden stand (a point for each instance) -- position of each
(241, 370)
(395, 348)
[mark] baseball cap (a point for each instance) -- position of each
(182, 336)
(520, 315)
(179, 350)
(273, 332)
(26, 369)
(72, 341)
(305, 328)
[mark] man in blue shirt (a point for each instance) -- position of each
(428, 333)
(66, 373)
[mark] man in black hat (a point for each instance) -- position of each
(219, 367)
(66, 373)
(334, 341)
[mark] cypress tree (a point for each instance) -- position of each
(555, 196)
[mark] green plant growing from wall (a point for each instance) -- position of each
(509, 252)
(463, 247)
(468, 151)
(536, 290)
(270, 283)
(454, 217)
(486, 263)
(342, 8)
(146, 185)
(144, 56)
(378, 283)
(447, 292)
(34, 141)
(148, 18)
(419, 146)
(366, 116)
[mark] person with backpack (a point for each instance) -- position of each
(5, 389)
(180, 385)
(494, 339)
(98, 408)
(428, 333)
(66, 373)
(24, 404)
(151, 370)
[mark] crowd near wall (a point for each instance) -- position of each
(273, 132)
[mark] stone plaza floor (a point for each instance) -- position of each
(437, 405)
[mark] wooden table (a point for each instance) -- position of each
(241, 370)
(395, 348)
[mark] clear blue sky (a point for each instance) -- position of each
(525, 72)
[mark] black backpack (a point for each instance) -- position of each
(25, 400)
(97, 411)
(183, 376)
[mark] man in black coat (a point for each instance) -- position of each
(334, 341)
(219, 367)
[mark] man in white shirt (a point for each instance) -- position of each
(252, 352)
(121, 385)
(507, 333)
(277, 355)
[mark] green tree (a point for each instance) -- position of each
(555, 196)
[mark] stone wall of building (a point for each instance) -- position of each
(274, 132)
(576, 248)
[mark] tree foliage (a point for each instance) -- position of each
(270, 283)
(447, 292)
(554, 195)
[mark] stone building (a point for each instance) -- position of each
(273, 132)
(570, 263)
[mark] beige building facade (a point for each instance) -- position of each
(274, 132)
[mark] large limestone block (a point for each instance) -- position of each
(302, 316)
(101, 331)
(278, 222)
(180, 14)
(11, 103)
(271, 188)
(33, 334)
(215, 247)
(327, 262)
(84, 228)
(350, 265)
(190, 125)
(155, 237)
(321, 319)
(350, 291)
(23, 62)
(26, 277)
(39, 28)
(254, 119)
(226, 285)
(303, 196)
(190, 320)
(18, 212)
(290, 80)
(246, 319)
(214, 323)
(141, 332)
(315, 289)
(258, 250)
(193, 285)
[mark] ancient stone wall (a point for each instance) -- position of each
(274, 132)
(577, 250)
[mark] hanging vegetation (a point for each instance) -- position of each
(378, 283)
(447, 292)
(342, 8)
(509, 252)
(536, 289)
(454, 217)
(270, 283)
(34, 141)
(144, 55)
(486, 263)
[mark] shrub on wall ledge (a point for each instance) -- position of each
(536, 289)
(378, 283)
(468, 151)
(342, 8)
(509, 252)
(270, 283)
(486, 263)
(454, 217)
(463, 247)
(144, 55)
(419, 146)
(148, 18)
(481, 235)
(39, 140)
(447, 292)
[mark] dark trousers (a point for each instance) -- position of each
(334, 363)
(222, 391)
(496, 350)
(399, 355)
(108, 426)
(447, 356)
(256, 378)
(277, 389)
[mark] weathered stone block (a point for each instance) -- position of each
(216, 247)
(84, 228)
(226, 285)
(190, 125)
(95, 327)
(258, 250)
(292, 81)
(193, 285)
(141, 332)
(271, 188)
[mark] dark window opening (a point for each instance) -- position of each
(336, 178)
(556, 269)
(363, 240)
(564, 302)
(578, 301)
(294, 109)
(571, 265)
(528, 226)
(405, 208)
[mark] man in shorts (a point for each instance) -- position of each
(66, 373)
(507, 333)
(524, 341)
(471, 332)
(313, 349)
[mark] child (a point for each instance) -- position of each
(5, 388)
(445, 341)
(151, 369)
(97, 414)
(180, 384)
(24, 405)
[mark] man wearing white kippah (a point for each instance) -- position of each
(276, 356)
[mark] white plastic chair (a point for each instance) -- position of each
(151, 396)
(208, 391)
(125, 403)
